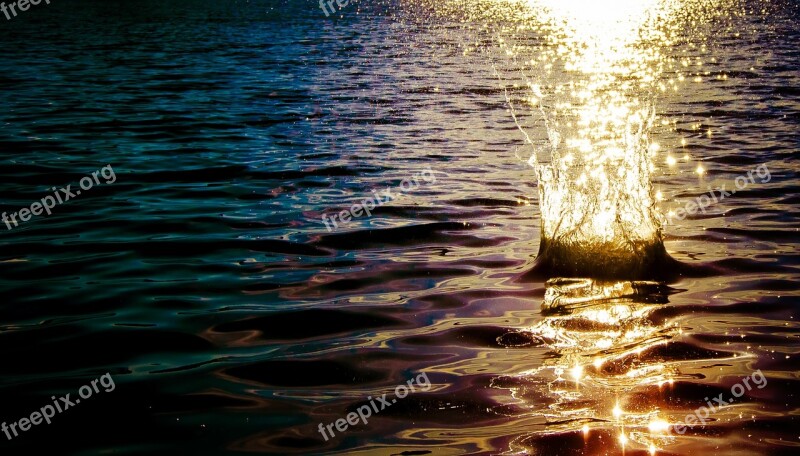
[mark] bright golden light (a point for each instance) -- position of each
(583, 80)
(603, 29)
(593, 323)
(591, 82)
(658, 426)
(577, 373)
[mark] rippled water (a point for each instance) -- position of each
(232, 320)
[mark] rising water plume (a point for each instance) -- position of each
(589, 72)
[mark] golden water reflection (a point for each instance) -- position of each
(611, 366)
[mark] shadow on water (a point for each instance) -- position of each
(653, 264)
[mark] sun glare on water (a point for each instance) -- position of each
(594, 69)
(589, 74)
(582, 79)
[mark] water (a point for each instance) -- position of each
(590, 72)
(232, 320)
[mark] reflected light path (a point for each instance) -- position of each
(588, 74)
(610, 370)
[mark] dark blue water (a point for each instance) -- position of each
(205, 282)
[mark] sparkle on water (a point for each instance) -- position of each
(592, 81)
(599, 332)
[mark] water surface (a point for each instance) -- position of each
(232, 320)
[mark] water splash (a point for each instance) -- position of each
(591, 77)
(581, 79)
